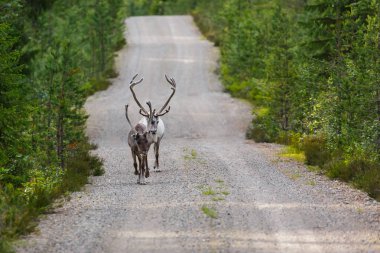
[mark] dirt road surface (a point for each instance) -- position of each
(217, 192)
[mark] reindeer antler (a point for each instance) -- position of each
(173, 87)
(162, 114)
(150, 107)
(126, 115)
(131, 85)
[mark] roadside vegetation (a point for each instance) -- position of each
(311, 70)
(53, 54)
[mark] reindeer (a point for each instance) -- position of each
(152, 120)
(139, 140)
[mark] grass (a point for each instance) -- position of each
(190, 154)
(295, 176)
(314, 168)
(219, 181)
(208, 191)
(217, 199)
(210, 212)
(215, 195)
(225, 193)
(293, 153)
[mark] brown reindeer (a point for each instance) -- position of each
(139, 140)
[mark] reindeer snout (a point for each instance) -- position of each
(153, 131)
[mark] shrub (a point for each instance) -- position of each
(363, 173)
(263, 128)
(315, 149)
(19, 206)
(338, 169)
(369, 181)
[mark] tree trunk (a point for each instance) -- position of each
(60, 126)
(378, 120)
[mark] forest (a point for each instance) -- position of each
(310, 68)
(53, 54)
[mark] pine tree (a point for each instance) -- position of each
(14, 146)
(281, 80)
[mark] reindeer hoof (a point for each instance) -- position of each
(147, 174)
(142, 183)
(136, 172)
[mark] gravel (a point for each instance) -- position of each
(263, 203)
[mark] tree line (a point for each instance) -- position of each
(311, 70)
(53, 54)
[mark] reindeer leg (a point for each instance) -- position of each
(147, 168)
(142, 170)
(139, 172)
(134, 162)
(156, 152)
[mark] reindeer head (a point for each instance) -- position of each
(153, 116)
(142, 142)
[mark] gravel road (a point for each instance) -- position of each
(258, 202)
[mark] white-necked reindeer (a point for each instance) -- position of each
(139, 140)
(152, 120)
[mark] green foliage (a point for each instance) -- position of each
(263, 127)
(159, 7)
(53, 54)
(20, 205)
(314, 68)
(363, 173)
(369, 181)
(293, 153)
(316, 150)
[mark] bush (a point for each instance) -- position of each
(338, 169)
(20, 206)
(315, 148)
(263, 128)
(369, 181)
(363, 173)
